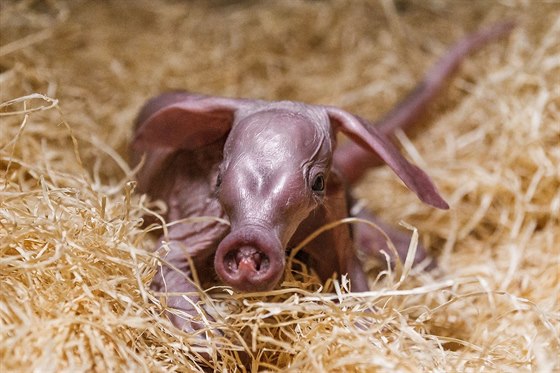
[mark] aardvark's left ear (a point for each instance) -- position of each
(372, 139)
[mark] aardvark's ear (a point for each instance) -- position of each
(370, 138)
(180, 120)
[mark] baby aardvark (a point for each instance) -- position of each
(273, 171)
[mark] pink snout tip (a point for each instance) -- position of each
(250, 259)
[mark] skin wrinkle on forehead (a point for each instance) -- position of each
(275, 134)
(259, 124)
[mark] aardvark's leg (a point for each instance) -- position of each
(372, 242)
(180, 306)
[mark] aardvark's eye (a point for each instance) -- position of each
(318, 183)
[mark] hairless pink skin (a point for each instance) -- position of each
(271, 169)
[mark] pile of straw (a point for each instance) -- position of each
(75, 260)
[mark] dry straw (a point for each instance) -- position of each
(75, 261)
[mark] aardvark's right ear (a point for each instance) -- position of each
(180, 120)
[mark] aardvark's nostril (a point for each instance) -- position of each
(246, 260)
(250, 259)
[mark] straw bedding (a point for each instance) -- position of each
(76, 261)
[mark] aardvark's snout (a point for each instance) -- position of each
(250, 259)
